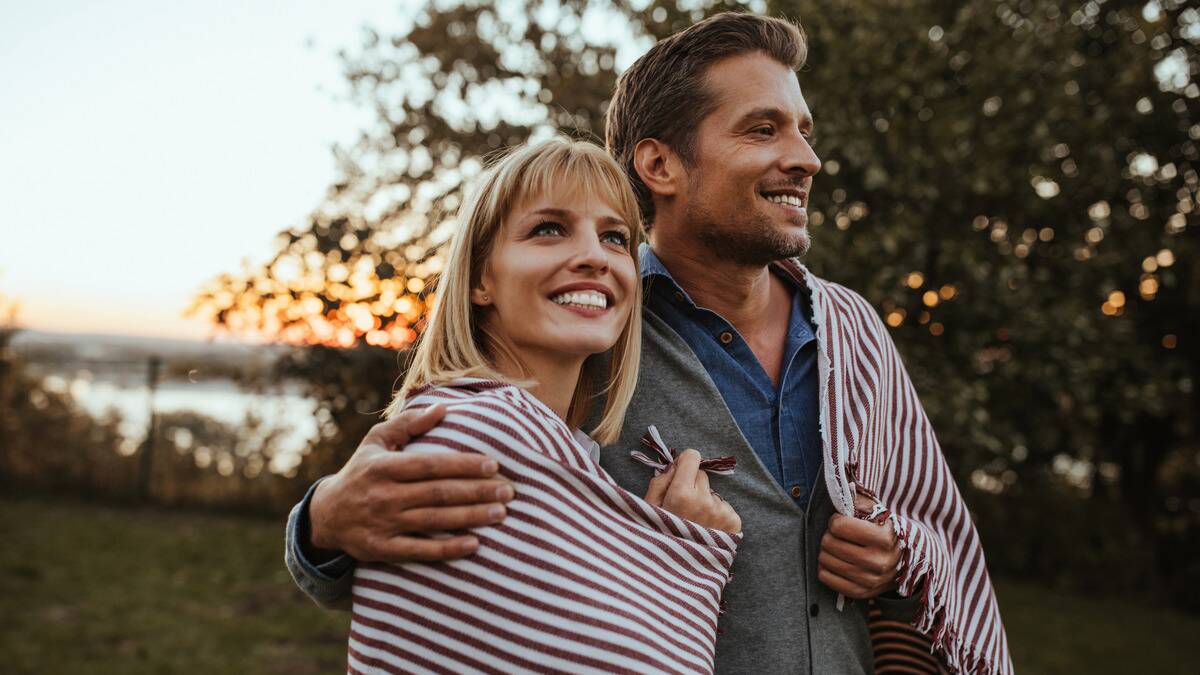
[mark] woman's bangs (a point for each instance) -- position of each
(574, 176)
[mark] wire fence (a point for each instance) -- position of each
(152, 429)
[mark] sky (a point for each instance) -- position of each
(146, 147)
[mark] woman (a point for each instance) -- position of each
(581, 576)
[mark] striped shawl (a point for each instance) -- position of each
(581, 576)
(879, 442)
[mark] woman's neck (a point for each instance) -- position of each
(554, 377)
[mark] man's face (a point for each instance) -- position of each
(747, 187)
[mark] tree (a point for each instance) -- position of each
(1012, 184)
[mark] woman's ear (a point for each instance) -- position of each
(658, 166)
(480, 297)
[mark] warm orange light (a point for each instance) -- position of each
(930, 298)
(936, 328)
(1169, 341)
(894, 319)
(914, 280)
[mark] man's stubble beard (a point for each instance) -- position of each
(750, 240)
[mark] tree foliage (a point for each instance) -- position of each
(1012, 183)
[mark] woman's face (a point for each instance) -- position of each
(561, 280)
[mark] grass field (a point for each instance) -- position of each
(100, 589)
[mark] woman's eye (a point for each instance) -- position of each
(547, 228)
(615, 237)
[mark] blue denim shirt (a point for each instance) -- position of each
(781, 423)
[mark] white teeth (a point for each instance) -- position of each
(589, 299)
(785, 199)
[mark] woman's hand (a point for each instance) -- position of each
(683, 490)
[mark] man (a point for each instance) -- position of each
(745, 354)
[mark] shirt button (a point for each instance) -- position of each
(726, 337)
(814, 610)
(796, 491)
(679, 296)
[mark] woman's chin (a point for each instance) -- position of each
(580, 345)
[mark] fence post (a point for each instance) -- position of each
(147, 460)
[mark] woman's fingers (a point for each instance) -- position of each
(683, 485)
(658, 486)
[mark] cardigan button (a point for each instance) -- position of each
(679, 296)
(814, 610)
(796, 491)
(726, 337)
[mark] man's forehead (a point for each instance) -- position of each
(755, 83)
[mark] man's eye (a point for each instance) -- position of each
(615, 237)
(764, 130)
(547, 228)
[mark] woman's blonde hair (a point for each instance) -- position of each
(454, 343)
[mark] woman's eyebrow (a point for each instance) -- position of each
(553, 213)
(566, 214)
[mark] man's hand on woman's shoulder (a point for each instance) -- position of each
(381, 504)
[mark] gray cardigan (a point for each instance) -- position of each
(778, 618)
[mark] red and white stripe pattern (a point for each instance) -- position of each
(581, 576)
(879, 442)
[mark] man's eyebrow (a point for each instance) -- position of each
(773, 114)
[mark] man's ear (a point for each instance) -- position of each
(659, 167)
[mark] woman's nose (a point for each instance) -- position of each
(590, 253)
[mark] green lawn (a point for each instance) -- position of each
(100, 589)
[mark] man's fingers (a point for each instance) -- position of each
(450, 492)
(408, 467)
(395, 433)
(842, 585)
(863, 503)
(850, 552)
(861, 532)
(847, 571)
(415, 549)
(440, 519)
(868, 560)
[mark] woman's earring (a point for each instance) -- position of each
(487, 298)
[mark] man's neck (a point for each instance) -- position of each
(744, 295)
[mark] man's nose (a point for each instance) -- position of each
(801, 158)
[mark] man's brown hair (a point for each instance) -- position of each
(662, 95)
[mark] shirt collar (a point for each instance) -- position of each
(790, 270)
